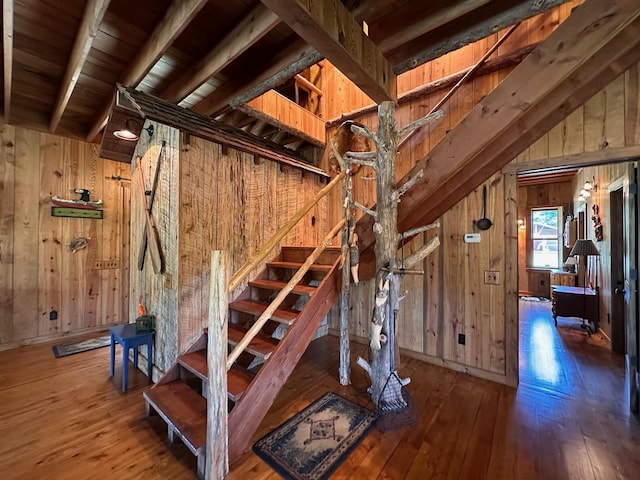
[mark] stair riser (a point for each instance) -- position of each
(300, 254)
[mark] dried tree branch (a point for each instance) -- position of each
(364, 131)
(408, 184)
(432, 117)
(420, 254)
(365, 209)
(415, 231)
(339, 158)
(361, 155)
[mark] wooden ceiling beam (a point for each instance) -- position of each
(331, 29)
(292, 60)
(251, 28)
(176, 19)
(598, 42)
(434, 44)
(93, 13)
(7, 49)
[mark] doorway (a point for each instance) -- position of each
(617, 316)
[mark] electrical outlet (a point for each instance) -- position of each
(168, 280)
(491, 277)
(461, 338)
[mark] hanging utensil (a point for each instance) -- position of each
(484, 223)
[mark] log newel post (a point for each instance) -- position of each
(217, 445)
(345, 351)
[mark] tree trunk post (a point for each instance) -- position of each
(345, 351)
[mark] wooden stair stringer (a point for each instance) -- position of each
(248, 413)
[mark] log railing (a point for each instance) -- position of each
(261, 254)
(266, 315)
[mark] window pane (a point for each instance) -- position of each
(544, 223)
(545, 253)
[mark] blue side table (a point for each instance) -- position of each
(127, 336)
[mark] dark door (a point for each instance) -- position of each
(631, 218)
(617, 315)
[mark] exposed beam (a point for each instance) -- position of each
(7, 49)
(430, 46)
(176, 19)
(499, 63)
(251, 28)
(412, 24)
(330, 28)
(93, 14)
(293, 59)
(598, 42)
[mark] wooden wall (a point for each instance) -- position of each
(452, 297)
(210, 197)
(38, 271)
(559, 194)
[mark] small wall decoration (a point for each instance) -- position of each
(597, 224)
(82, 207)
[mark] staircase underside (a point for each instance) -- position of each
(598, 42)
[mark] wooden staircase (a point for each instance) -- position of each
(254, 380)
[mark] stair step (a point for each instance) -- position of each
(318, 267)
(195, 362)
(254, 307)
(260, 346)
(238, 380)
(276, 286)
(183, 409)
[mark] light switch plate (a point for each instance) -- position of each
(471, 238)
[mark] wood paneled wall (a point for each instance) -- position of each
(210, 197)
(452, 298)
(39, 272)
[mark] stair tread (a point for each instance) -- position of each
(320, 267)
(259, 346)
(238, 380)
(254, 307)
(184, 409)
(195, 362)
(277, 285)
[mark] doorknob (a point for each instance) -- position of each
(617, 291)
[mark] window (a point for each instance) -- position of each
(546, 237)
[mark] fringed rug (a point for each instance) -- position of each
(316, 440)
(81, 346)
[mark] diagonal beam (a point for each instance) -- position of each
(93, 14)
(599, 41)
(7, 49)
(252, 28)
(176, 19)
(294, 59)
(331, 29)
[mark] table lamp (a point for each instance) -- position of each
(583, 248)
(570, 264)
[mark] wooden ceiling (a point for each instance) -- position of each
(62, 59)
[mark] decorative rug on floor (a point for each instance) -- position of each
(535, 299)
(316, 440)
(82, 346)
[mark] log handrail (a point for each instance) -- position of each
(266, 315)
(262, 253)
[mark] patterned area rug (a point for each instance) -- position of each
(82, 346)
(535, 299)
(316, 440)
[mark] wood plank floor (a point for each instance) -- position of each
(64, 418)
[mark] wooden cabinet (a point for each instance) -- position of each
(558, 277)
(576, 302)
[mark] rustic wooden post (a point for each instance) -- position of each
(345, 351)
(217, 446)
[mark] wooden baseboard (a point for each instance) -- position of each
(451, 365)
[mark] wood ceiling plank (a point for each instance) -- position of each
(176, 19)
(251, 28)
(329, 27)
(7, 49)
(93, 14)
(593, 46)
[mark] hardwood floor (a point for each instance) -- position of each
(64, 418)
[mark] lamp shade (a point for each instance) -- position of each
(583, 248)
(571, 261)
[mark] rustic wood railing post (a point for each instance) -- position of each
(217, 445)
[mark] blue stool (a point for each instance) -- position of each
(127, 336)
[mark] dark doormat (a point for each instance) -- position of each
(315, 441)
(65, 349)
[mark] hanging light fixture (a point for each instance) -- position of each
(590, 185)
(125, 133)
